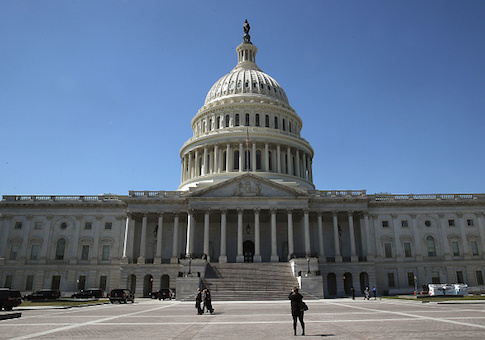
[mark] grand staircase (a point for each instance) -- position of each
(249, 281)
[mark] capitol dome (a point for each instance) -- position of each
(246, 125)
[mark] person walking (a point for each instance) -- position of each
(353, 293)
(296, 309)
(198, 302)
(207, 301)
(374, 291)
(366, 293)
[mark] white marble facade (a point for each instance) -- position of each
(246, 194)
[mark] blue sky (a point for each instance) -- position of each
(97, 96)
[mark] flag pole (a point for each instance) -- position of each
(247, 148)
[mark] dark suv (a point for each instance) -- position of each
(9, 299)
(164, 293)
(121, 295)
(88, 294)
(43, 295)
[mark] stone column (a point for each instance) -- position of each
(417, 239)
(291, 242)
(257, 237)
(205, 166)
(223, 256)
(206, 234)
(189, 170)
(297, 163)
(73, 259)
(274, 244)
(4, 229)
(467, 254)
(240, 255)
(217, 163)
(481, 230)
(320, 237)
(228, 153)
(304, 166)
(175, 241)
(369, 254)
(197, 164)
(211, 169)
(266, 157)
(189, 249)
(253, 158)
(336, 238)
(397, 241)
(289, 168)
(278, 159)
(47, 243)
(184, 171)
(141, 258)
(241, 157)
(306, 224)
(22, 252)
(444, 237)
(158, 253)
(311, 169)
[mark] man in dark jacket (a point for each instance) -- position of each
(296, 309)
(198, 302)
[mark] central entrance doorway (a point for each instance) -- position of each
(248, 250)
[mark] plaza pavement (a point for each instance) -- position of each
(330, 318)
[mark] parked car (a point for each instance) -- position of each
(121, 295)
(88, 294)
(43, 295)
(164, 293)
(9, 299)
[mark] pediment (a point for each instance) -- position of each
(248, 185)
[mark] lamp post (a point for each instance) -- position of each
(190, 265)
(308, 265)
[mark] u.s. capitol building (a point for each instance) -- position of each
(246, 208)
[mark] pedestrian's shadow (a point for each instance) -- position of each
(321, 335)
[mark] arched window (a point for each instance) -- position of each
(237, 120)
(258, 160)
(218, 122)
(284, 123)
(431, 246)
(275, 122)
(60, 249)
(289, 126)
(257, 119)
(266, 121)
(236, 159)
(210, 124)
(227, 120)
(247, 119)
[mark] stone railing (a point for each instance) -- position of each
(421, 197)
(156, 194)
(60, 198)
(338, 193)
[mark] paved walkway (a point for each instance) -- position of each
(336, 319)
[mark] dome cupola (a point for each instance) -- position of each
(246, 124)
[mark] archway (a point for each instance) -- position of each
(165, 281)
(147, 285)
(348, 283)
(332, 284)
(131, 283)
(248, 250)
(364, 281)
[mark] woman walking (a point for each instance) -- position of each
(296, 309)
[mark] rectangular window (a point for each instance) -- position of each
(388, 250)
(469, 222)
(474, 245)
(257, 120)
(407, 249)
(410, 279)
(459, 277)
(108, 225)
(455, 248)
(81, 282)
(56, 282)
(88, 225)
(390, 280)
(85, 252)
(102, 282)
(8, 281)
(29, 283)
(18, 225)
(435, 277)
(34, 252)
(105, 255)
(479, 275)
(451, 223)
(14, 249)
(385, 224)
(404, 223)
(38, 225)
